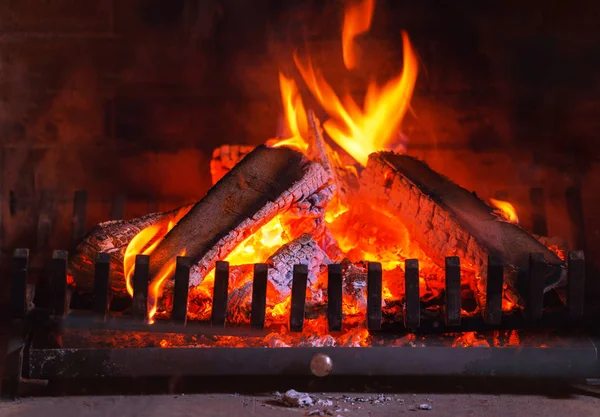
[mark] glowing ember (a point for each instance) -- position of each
(357, 20)
(506, 209)
(358, 231)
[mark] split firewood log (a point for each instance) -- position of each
(446, 220)
(268, 181)
(225, 157)
(112, 237)
(303, 250)
(344, 178)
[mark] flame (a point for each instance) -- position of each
(360, 232)
(357, 20)
(373, 128)
(254, 249)
(144, 243)
(296, 122)
(507, 210)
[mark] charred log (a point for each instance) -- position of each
(111, 237)
(225, 157)
(303, 250)
(445, 219)
(265, 183)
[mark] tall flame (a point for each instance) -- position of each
(507, 210)
(364, 131)
(296, 122)
(357, 20)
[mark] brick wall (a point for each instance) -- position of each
(132, 96)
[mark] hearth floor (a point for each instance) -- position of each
(232, 405)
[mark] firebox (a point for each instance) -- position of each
(248, 189)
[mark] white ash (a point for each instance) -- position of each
(324, 403)
(303, 250)
(293, 398)
(355, 282)
(425, 407)
(315, 204)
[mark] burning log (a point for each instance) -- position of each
(112, 237)
(445, 219)
(266, 182)
(303, 250)
(225, 157)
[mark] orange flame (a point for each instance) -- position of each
(294, 112)
(144, 243)
(357, 20)
(506, 209)
(364, 131)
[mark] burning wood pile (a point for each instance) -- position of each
(341, 193)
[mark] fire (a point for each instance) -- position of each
(295, 116)
(507, 210)
(361, 132)
(144, 243)
(361, 231)
(357, 20)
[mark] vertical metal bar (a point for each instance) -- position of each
(299, 282)
(19, 304)
(452, 305)
(412, 308)
(539, 224)
(374, 289)
(101, 286)
(495, 280)
(220, 294)
(259, 296)
(576, 284)
(58, 282)
(117, 211)
(181, 289)
(537, 272)
(334, 297)
(575, 211)
(141, 276)
(79, 215)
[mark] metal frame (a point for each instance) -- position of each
(37, 353)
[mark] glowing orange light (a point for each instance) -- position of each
(295, 116)
(507, 210)
(357, 20)
(144, 243)
(374, 127)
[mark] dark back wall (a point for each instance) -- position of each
(132, 96)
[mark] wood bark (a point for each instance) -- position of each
(266, 182)
(111, 237)
(447, 220)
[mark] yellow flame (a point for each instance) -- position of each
(507, 210)
(364, 131)
(357, 20)
(294, 112)
(144, 243)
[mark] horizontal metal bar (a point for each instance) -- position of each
(578, 358)
(83, 320)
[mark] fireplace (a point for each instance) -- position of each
(410, 181)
